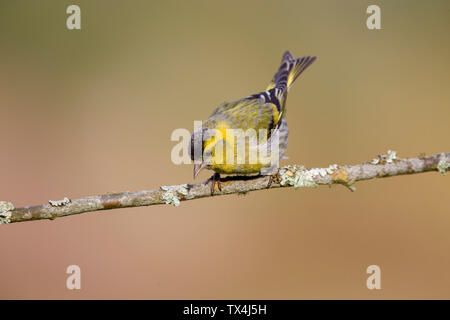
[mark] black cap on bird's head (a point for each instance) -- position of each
(201, 157)
(196, 151)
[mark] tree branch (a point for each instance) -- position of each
(382, 166)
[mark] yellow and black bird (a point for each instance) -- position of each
(264, 112)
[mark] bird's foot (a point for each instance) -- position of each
(274, 178)
(215, 179)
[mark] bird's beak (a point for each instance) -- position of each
(197, 168)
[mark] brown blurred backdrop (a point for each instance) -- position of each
(91, 111)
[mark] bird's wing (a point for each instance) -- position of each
(248, 113)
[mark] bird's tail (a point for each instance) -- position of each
(289, 71)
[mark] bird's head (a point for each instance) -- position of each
(202, 149)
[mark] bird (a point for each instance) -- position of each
(263, 114)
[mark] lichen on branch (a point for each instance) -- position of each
(388, 165)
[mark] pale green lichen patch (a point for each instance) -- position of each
(443, 166)
(5, 212)
(390, 157)
(172, 194)
(59, 203)
(296, 176)
(323, 171)
(299, 177)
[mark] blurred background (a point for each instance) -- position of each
(91, 111)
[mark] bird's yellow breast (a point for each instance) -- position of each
(228, 157)
(237, 168)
